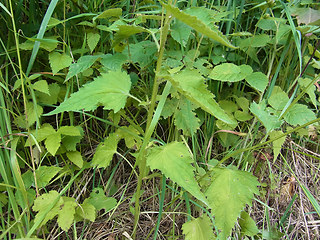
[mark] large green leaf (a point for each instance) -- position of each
(229, 72)
(174, 161)
(258, 80)
(125, 31)
(109, 90)
(92, 40)
(248, 226)
(66, 213)
(59, 61)
(198, 229)
(278, 98)
(197, 25)
(100, 201)
(44, 174)
(81, 65)
(228, 194)
(191, 84)
(299, 114)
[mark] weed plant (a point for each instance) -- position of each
(159, 120)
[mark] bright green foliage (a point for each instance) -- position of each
(180, 32)
(86, 211)
(257, 80)
(198, 25)
(306, 82)
(49, 44)
(76, 158)
(141, 52)
(43, 205)
(278, 98)
(174, 161)
(113, 12)
(270, 121)
(185, 118)
(125, 31)
(41, 86)
(132, 140)
(100, 201)
(109, 90)
(105, 151)
(247, 224)
(32, 113)
(260, 40)
(44, 175)
(228, 194)
(198, 229)
(277, 144)
(52, 98)
(92, 40)
(191, 84)
(81, 65)
(66, 213)
(229, 72)
(59, 61)
(113, 61)
(299, 114)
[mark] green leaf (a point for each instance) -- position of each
(44, 175)
(45, 201)
(131, 140)
(52, 98)
(66, 213)
(81, 65)
(185, 118)
(229, 72)
(52, 143)
(198, 229)
(228, 194)
(197, 25)
(142, 52)
(59, 61)
(304, 83)
(100, 201)
(278, 98)
(271, 122)
(174, 161)
(70, 130)
(92, 40)
(191, 84)
(277, 144)
(86, 211)
(307, 16)
(113, 62)
(41, 86)
(180, 32)
(260, 40)
(299, 114)
(110, 90)
(105, 151)
(76, 158)
(247, 225)
(32, 113)
(125, 31)
(113, 12)
(257, 80)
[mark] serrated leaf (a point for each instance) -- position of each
(44, 131)
(105, 151)
(100, 201)
(113, 12)
(44, 174)
(52, 98)
(69, 130)
(32, 113)
(169, 108)
(257, 80)
(70, 142)
(304, 83)
(87, 211)
(277, 144)
(198, 229)
(59, 61)
(92, 40)
(81, 65)
(260, 40)
(52, 143)
(229, 72)
(125, 31)
(76, 158)
(66, 213)
(43, 203)
(299, 114)
(197, 25)
(228, 194)
(271, 122)
(247, 225)
(191, 84)
(131, 140)
(109, 90)
(174, 161)
(142, 52)
(41, 86)
(278, 98)
(185, 118)
(113, 62)
(180, 32)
